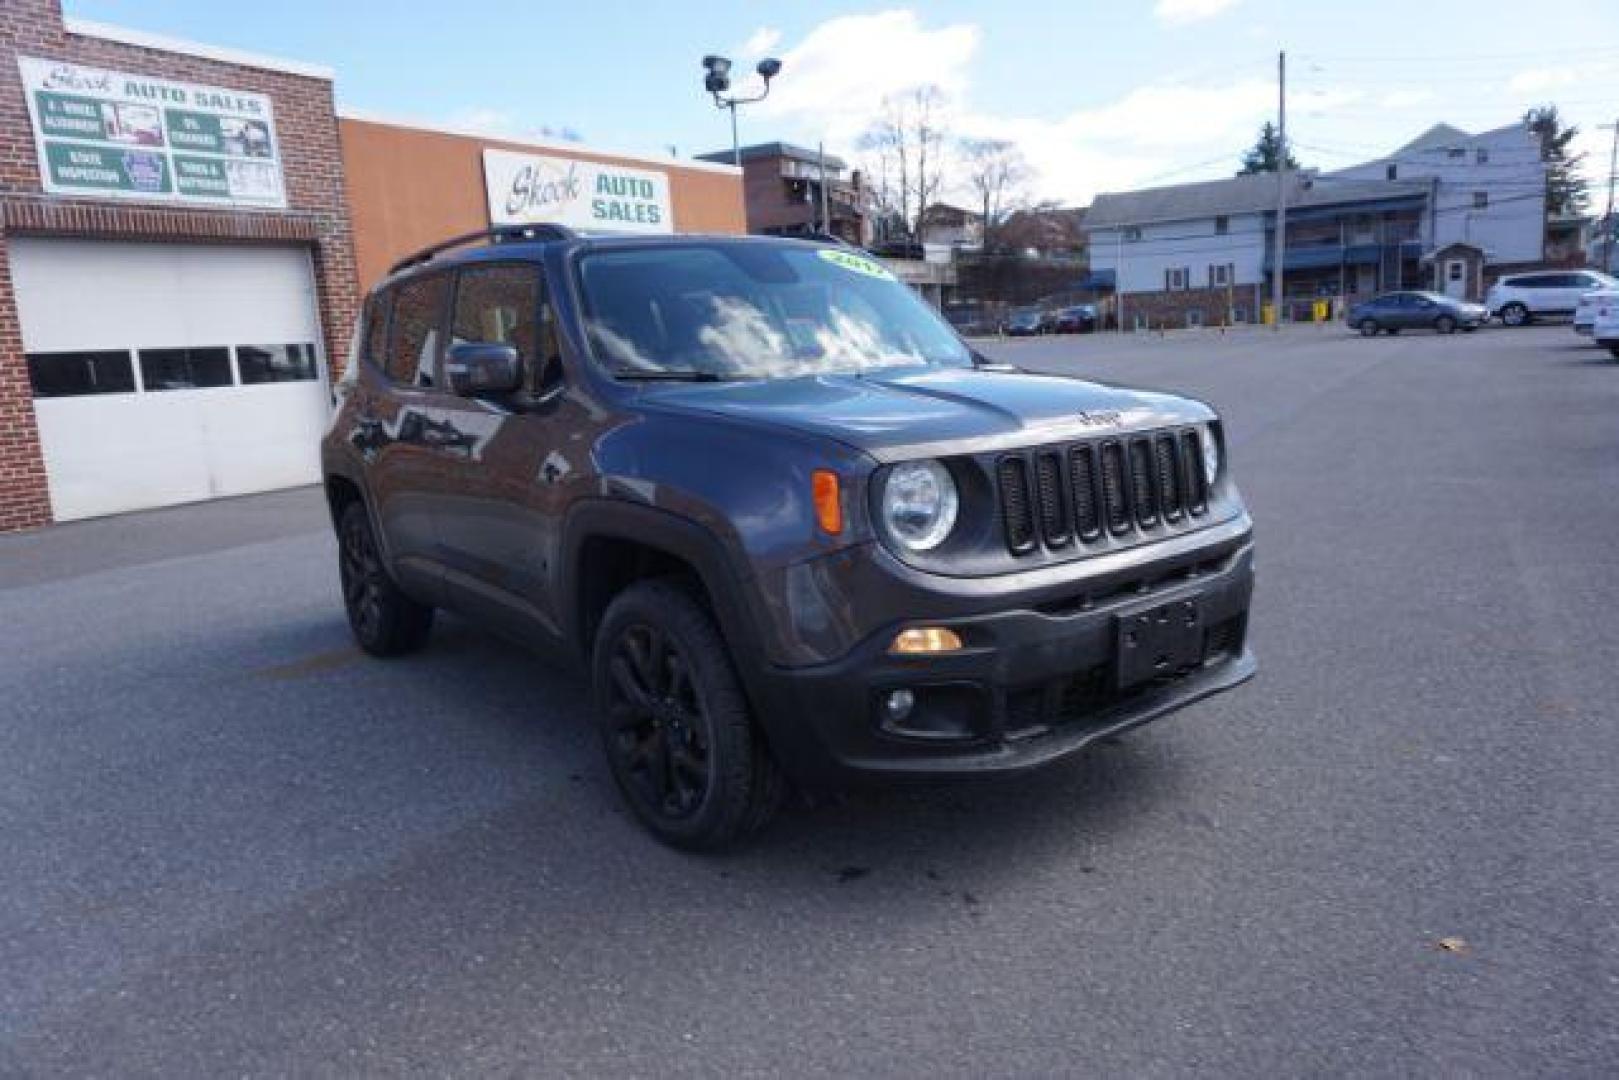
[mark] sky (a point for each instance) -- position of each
(1099, 96)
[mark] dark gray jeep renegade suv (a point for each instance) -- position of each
(797, 529)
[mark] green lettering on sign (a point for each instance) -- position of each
(858, 264)
(66, 114)
(97, 169)
(193, 131)
(200, 176)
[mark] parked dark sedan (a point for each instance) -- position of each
(1396, 311)
(1026, 322)
(1079, 319)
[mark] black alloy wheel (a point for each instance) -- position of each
(384, 620)
(658, 725)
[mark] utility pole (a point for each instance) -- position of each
(1610, 226)
(826, 204)
(1118, 280)
(1281, 192)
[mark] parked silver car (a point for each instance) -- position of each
(1396, 311)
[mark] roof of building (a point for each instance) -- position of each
(1252, 194)
(1445, 136)
(759, 151)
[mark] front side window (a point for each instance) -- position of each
(1481, 199)
(740, 309)
(185, 369)
(75, 374)
(505, 304)
(416, 330)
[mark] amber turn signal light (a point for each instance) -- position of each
(919, 640)
(828, 501)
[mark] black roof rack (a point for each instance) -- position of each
(497, 234)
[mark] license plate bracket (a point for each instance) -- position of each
(1157, 640)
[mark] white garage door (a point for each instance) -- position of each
(167, 373)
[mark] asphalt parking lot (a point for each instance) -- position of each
(233, 844)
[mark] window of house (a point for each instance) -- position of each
(1456, 153)
(185, 369)
(1222, 225)
(1481, 199)
(275, 363)
(1177, 277)
(415, 332)
(75, 374)
(1132, 234)
(1221, 274)
(1481, 156)
(1393, 172)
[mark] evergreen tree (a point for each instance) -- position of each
(1266, 155)
(1565, 187)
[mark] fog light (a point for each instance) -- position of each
(898, 705)
(925, 639)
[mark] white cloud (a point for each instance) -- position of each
(1535, 80)
(760, 42)
(1182, 12)
(834, 81)
(837, 77)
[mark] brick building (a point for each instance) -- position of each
(175, 267)
(794, 191)
(184, 236)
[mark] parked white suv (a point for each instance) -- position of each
(1605, 324)
(1519, 299)
(1585, 316)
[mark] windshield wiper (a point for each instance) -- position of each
(664, 375)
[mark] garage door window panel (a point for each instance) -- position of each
(416, 331)
(275, 363)
(185, 369)
(76, 374)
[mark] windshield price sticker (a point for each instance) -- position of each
(855, 263)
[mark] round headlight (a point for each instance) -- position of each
(919, 504)
(1211, 453)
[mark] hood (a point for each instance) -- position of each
(894, 416)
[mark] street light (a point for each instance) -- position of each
(718, 80)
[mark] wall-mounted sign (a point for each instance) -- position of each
(108, 133)
(586, 195)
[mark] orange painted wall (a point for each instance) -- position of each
(409, 187)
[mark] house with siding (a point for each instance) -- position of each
(1448, 211)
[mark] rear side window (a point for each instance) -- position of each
(376, 327)
(416, 329)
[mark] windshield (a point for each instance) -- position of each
(756, 311)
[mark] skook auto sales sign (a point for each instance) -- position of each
(586, 195)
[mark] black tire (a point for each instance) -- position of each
(1369, 328)
(1515, 314)
(1445, 324)
(1613, 351)
(675, 724)
(384, 620)
(1392, 331)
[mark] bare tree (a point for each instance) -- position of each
(907, 143)
(997, 171)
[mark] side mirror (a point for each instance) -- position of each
(482, 367)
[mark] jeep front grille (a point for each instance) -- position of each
(1135, 486)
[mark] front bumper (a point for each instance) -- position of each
(1034, 684)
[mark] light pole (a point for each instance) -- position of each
(718, 81)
